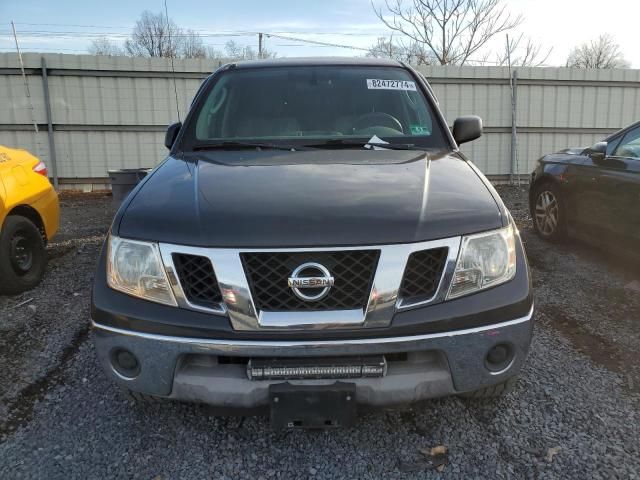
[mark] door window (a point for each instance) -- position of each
(630, 145)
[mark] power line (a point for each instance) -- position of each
(283, 35)
(300, 45)
(38, 49)
(66, 34)
(350, 34)
(70, 34)
(285, 32)
(87, 35)
(315, 42)
(70, 25)
(81, 50)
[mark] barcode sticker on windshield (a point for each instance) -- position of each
(378, 84)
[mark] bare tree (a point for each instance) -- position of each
(453, 30)
(602, 52)
(414, 53)
(154, 36)
(523, 53)
(191, 45)
(239, 52)
(104, 46)
(214, 53)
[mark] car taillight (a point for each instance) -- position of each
(41, 168)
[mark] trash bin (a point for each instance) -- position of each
(123, 181)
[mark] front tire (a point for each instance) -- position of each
(23, 257)
(548, 212)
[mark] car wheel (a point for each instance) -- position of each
(547, 210)
(23, 258)
(493, 391)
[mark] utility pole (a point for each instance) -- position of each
(259, 45)
(173, 69)
(514, 102)
(27, 92)
(47, 108)
(24, 78)
(513, 79)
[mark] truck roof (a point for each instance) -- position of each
(318, 61)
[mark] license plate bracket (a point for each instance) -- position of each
(312, 406)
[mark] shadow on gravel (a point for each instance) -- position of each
(582, 293)
(600, 350)
(21, 408)
(40, 330)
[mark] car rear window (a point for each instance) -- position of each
(314, 103)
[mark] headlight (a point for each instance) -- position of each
(135, 268)
(485, 260)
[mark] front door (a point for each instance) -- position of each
(607, 191)
(620, 180)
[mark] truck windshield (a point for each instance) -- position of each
(314, 106)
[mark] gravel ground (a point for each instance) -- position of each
(41, 327)
(574, 414)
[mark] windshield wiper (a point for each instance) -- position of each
(341, 143)
(232, 145)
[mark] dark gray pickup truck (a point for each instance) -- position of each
(314, 242)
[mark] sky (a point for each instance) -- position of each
(557, 25)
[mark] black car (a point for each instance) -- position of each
(593, 193)
(314, 241)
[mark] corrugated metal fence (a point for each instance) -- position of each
(111, 112)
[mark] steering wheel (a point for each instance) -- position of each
(377, 119)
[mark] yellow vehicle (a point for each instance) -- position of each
(29, 217)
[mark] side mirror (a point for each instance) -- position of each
(467, 128)
(172, 133)
(597, 151)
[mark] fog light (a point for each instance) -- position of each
(125, 363)
(499, 357)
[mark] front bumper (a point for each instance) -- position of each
(436, 364)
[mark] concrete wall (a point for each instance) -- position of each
(111, 112)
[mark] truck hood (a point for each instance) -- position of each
(257, 199)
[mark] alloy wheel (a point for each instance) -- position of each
(547, 212)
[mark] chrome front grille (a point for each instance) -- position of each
(268, 272)
(369, 283)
